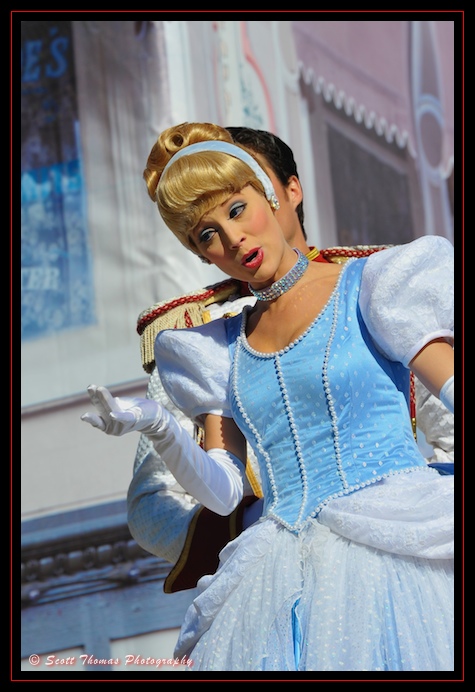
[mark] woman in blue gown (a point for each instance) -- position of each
(350, 567)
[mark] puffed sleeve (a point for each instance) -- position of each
(407, 296)
(194, 367)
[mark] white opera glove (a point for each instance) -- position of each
(214, 478)
(446, 394)
(120, 415)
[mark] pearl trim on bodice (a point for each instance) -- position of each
(276, 356)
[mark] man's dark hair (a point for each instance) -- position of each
(278, 154)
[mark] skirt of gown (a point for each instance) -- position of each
(366, 587)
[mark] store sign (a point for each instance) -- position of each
(56, 273)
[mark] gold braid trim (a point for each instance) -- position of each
(253, 482)
(313, 254)
(341, 253)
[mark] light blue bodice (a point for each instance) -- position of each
(329, 414)
(325, 416)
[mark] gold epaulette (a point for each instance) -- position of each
(185, 311)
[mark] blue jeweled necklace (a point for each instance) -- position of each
(285, 283)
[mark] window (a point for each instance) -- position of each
(366, 187)
(371, 197)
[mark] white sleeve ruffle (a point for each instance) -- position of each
(194, 366)
(407, 296)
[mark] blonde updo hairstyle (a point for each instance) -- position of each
(194, 184)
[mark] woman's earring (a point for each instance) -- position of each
(274, 203)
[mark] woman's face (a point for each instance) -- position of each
(242, 237)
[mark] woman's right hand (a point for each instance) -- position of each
(120, 415)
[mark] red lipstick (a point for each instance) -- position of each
(253, 259)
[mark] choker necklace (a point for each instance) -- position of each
(285, 283)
